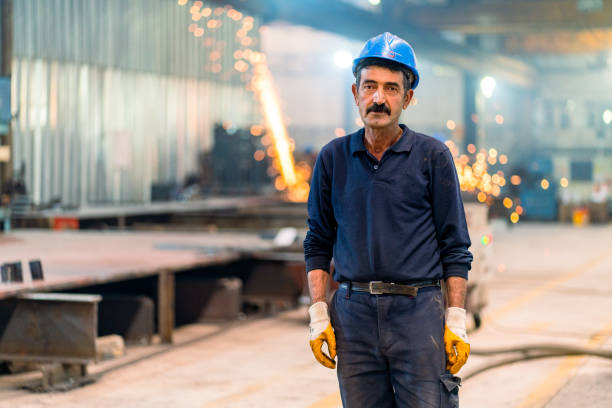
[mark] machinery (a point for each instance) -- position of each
(480, 234)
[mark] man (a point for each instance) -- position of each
(385, 201)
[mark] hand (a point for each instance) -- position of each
(455, 339)
(321, 331)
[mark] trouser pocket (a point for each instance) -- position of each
(449, 391)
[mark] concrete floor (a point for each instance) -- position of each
(552, 284)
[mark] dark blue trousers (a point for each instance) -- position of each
(391, 350)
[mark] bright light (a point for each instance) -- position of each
(607, 116)
(514, 217)
(374, 2)
(339, 132)
(564, 182)
(264, 89)
(257, 130)
(259, 155)
(343, 59)
(499, 119)
(487, 86)
(508, 202)
(503, 159)
(450, 124)
(545, 184)
(291, 179)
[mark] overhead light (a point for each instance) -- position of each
(487, 86)
(607, 116)
(374, 2)
(343, 59)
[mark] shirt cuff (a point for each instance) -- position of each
(318, 262)
(459, 270)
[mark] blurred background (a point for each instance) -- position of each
(127, 103)
(158, 154)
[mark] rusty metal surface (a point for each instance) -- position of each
(49, 328)
(165, 309)
(198, 298)
(131, 317)
(81, 258)
(271, 279)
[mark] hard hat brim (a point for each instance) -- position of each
(356, 62)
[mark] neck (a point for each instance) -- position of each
(379, 140)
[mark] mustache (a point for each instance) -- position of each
(379, 109)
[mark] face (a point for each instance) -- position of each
(381, 97)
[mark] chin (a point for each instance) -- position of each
(375, 124)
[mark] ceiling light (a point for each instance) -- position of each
(487, 86)
(343, 59)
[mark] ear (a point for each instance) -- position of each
(356, 94)
(408, 98)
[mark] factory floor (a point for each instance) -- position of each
(551, 284)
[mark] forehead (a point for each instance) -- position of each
(381, 74)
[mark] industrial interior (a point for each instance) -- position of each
(156, 160)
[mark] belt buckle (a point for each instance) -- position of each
(374, 291)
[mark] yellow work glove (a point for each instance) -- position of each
(321, 331)
(455, 339)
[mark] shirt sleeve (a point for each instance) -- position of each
(321, 235)
(449, 216)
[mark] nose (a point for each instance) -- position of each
(379, 97)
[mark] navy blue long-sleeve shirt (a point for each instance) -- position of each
(400, 219)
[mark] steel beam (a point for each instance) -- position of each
(49, 327)
(359, 24)
(511, 17)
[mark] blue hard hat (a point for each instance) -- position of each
(390, 47)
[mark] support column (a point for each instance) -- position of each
(470, 88)
(6, 42)
(165, 307)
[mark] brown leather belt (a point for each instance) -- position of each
(389, 288)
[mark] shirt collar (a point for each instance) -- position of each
(404, 143)
(357, 141)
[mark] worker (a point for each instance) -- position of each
(385, 201)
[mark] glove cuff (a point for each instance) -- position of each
(318, 312)
(455, 320)
(455, 317)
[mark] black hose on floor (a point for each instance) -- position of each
(532, 352)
